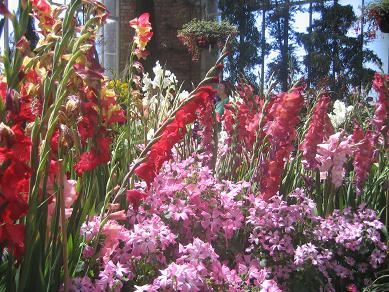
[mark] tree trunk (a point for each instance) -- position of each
(309, 69)
(361, 49)
(335, 65)
(263, 48)
(285, 48)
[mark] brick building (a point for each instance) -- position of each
(167, 16)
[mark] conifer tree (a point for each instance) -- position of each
(334, 57)
(246, 54)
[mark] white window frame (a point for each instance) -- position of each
(115, 18)
(6, 31)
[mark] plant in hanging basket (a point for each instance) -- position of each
(201, 34)
(378, 13)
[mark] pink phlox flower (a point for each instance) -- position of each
(146, 288)
(180, 210)
(83, 284)
(233, 221)
(377, 258)
(212, 222)
(149, 236)
(197, 251)
(231, 277)
(182, 277)
(107, 279)
(90, 228)
(270, 286)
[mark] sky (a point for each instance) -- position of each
(380, 45)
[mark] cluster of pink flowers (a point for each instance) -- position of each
(196, 233)
(196, 269)
(196, 201)
(123, 250)
(346, 246)
(275, 225)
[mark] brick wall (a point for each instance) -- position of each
(126, 13)
(167, 17)
(170, 15)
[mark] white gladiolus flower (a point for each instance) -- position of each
(150, 134)
(183, 95)
(159, 90)
(147, 83)
(163, 78)
(339, 113)
(223, 137)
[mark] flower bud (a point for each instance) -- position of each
(12, 101)
(7, 136)
(23, 45)
(72, 104)
(119, 215)
(146, 107)
(66, 137)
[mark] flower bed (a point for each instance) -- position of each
(134, 184)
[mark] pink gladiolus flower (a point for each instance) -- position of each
(332, 155)
(70, 195)
(143, 31)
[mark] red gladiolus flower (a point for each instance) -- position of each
(272, 174)
(285, 113)
(135, 197)
(99, 154)
(14, 184)
(161, 151)
(146, 172)
(363, 155)
(319, 129)
(13, 235)
(207, 121)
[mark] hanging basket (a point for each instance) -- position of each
(204, 34)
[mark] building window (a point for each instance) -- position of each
(6, 27)
(108, 44)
